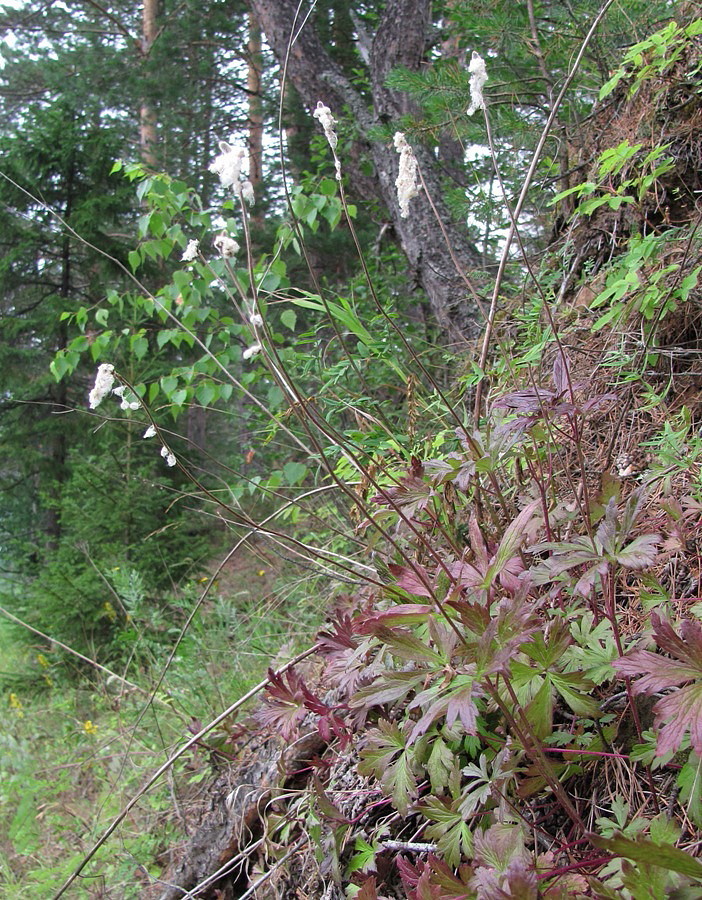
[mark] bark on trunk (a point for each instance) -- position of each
(253, 87)
(147, 116)
(400, 40)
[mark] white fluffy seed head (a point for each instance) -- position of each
(226, 246)
(478, 77)
(104, 380)
(168, 456)
(191, 251)
(228, 165)
(251, 351)
(327, 121)
(247, 192)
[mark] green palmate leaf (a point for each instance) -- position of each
(581, 704)
(540, 711)
(206, 393)
(649, 853)
(439, 765)
(363, 859)
(386, 757)
(405, 645)
(399, 781)
(690, 784)
(450, 830)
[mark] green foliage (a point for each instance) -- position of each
(653, 56)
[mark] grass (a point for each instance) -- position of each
(73, 753)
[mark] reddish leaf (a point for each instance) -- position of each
(680, 711)
(415, 580)
(284, 707)
(402, 614)
(340, 639)
(410, 495)
(368, 890)
(409, 873)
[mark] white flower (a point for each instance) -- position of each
(119, 390)
(256, 320)
(247, 192)
(104, 380)
(135, 404)
(251, 351)
(150, 432)
(168, 456)
(478, 77)
(228, 165)
(406, 181)
(327, 121)
(226, 246)
(191, 251)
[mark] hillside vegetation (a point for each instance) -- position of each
(444, 638)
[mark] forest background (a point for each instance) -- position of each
(346, 411)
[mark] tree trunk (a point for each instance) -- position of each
(253, 87)
(147, 115)
(400, 40)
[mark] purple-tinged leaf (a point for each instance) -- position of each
(466, 575)
(528, 401)
(368, 890)
(415, 580)
(477, 543)
(284, 707)
(455, 701)
(512, 539)
(462, 704)
(679, 712)
(641, 552)
(409, 873)
(589, 577)
(454, 888)
(606, 534)
(561, 370)
(410, 495)
(387, 688)
(402, 614)
(325, 805)
(341, 639)
(661, 672)
(593, 403)
(687, 647)
(503, 868)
